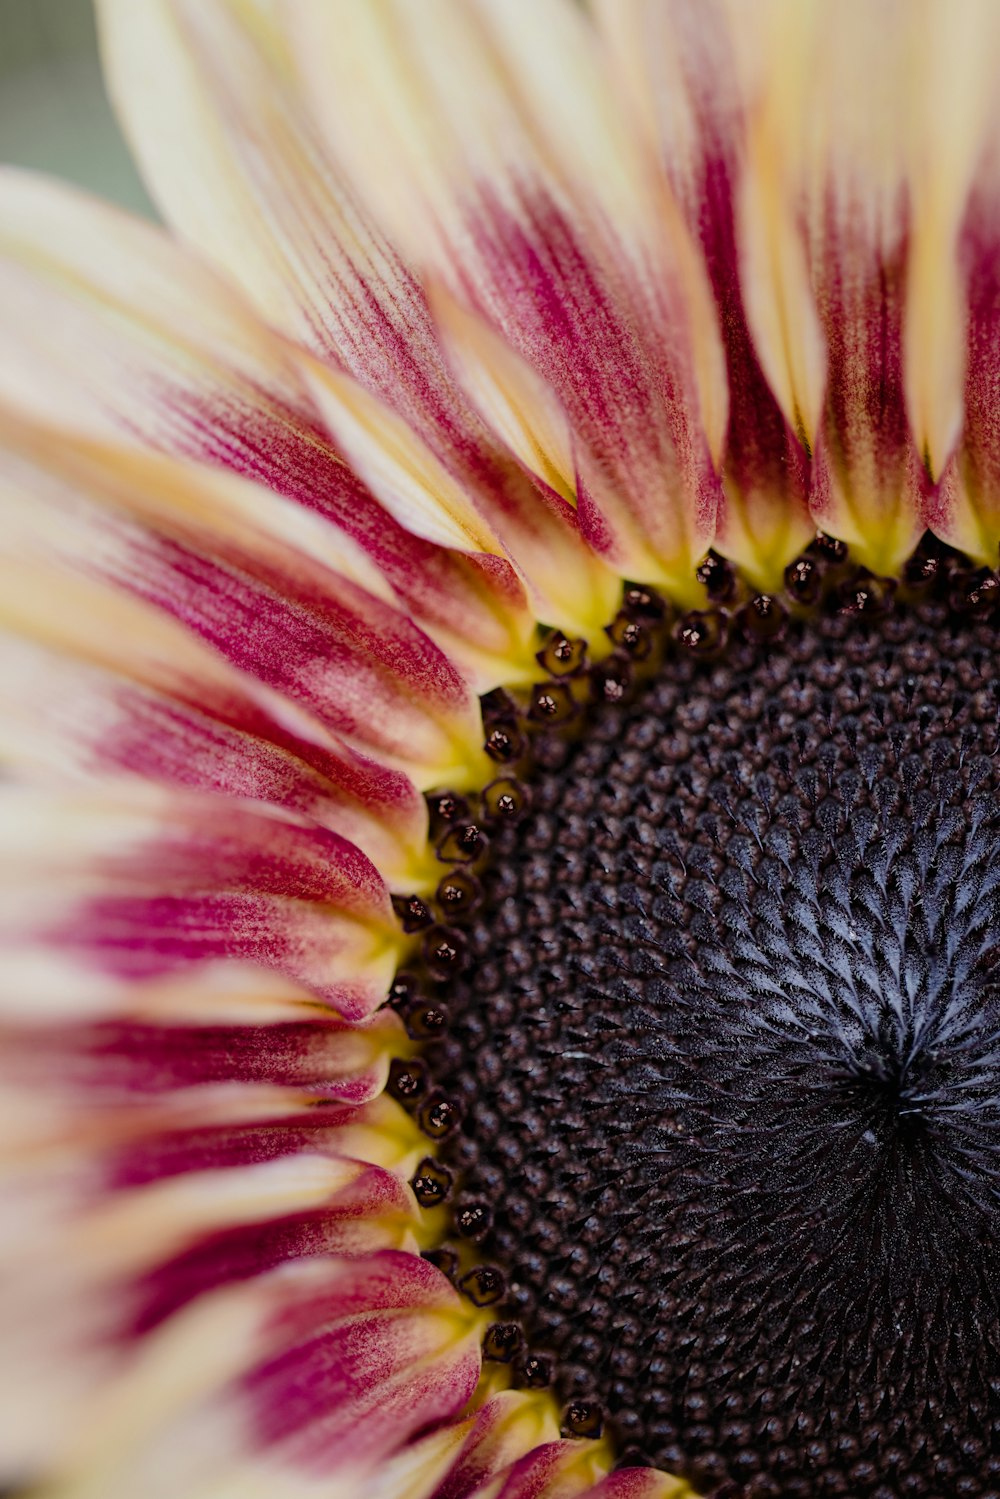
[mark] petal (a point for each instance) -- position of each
(135, 1057)
(381, 1353)
(458, 1460)
(378, 1132)
(539, 217)
(103, 890)
(161, 1179)
(957, 291)
(316, 1370)
(640, 1483)
(825, 188)
(176, 359)
(554, 1470)
(678, 74)
(567, 586)
(321, 1207)
(952, 56)
(109, 686)
(196, 82)
(219, 554)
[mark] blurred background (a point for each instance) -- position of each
(53, 113)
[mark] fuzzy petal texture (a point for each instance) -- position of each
(104, 890)
(108, 686)
(176, 358)
(202, 77)
(488, 139)
(238, 567)
(324, 1365)
(676, 65)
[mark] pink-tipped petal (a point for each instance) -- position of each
(640, 1483)
(825, 224)
(104, 890)
(364, 1209)
(224, 558)
(129, 1059)
(554, 1470)
(196, 77)
(379, 1132)
(461, 492)
(356, 1368)
(678, 74)
(107, 686)
(956, 256)
(456, 1461)
(964, 509)
(314, 1371)
(176, 359)
(529, 202)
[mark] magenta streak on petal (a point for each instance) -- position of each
(362, 1367)
(360, 667)
(222, 880)
(628, 396)
(978, 458)
(139, 938)
(132, 1059)
(280, 449)
(630, 1483)
(235, 747)
(864, 448)
(364, 310)
(220, 1147)
(364, 1216)
(532, 1475)
(763, 458)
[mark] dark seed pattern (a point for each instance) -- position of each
(722, 1081)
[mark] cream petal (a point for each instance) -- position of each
(536, 531)
(311, 1371)
(678, 75)
(587, 274)
(219, 554)
(177, 359)
(554, 1470)
(825, 223)
(339, 289)
(105, 888)
(458, 1460)
(107, 686)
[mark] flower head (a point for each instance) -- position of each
(500, 723)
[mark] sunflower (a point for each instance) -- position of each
(501, 900)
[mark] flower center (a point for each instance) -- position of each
(729, 1054)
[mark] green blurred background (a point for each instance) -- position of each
(53, 112)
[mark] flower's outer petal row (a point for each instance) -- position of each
(103, 889)
(567, 585)
(676, 70)
(849, 173)
(576, 1470)
(640, 1483)
(114, 1061)
(220, 555)
(827, 93)
(325, 1365)
(200, 81)
(486, 137)
(177, 360)
(455, 1462)
(859, 223)
(219, 1136)
(959, 209)
(150, 1164)
(107, 686)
